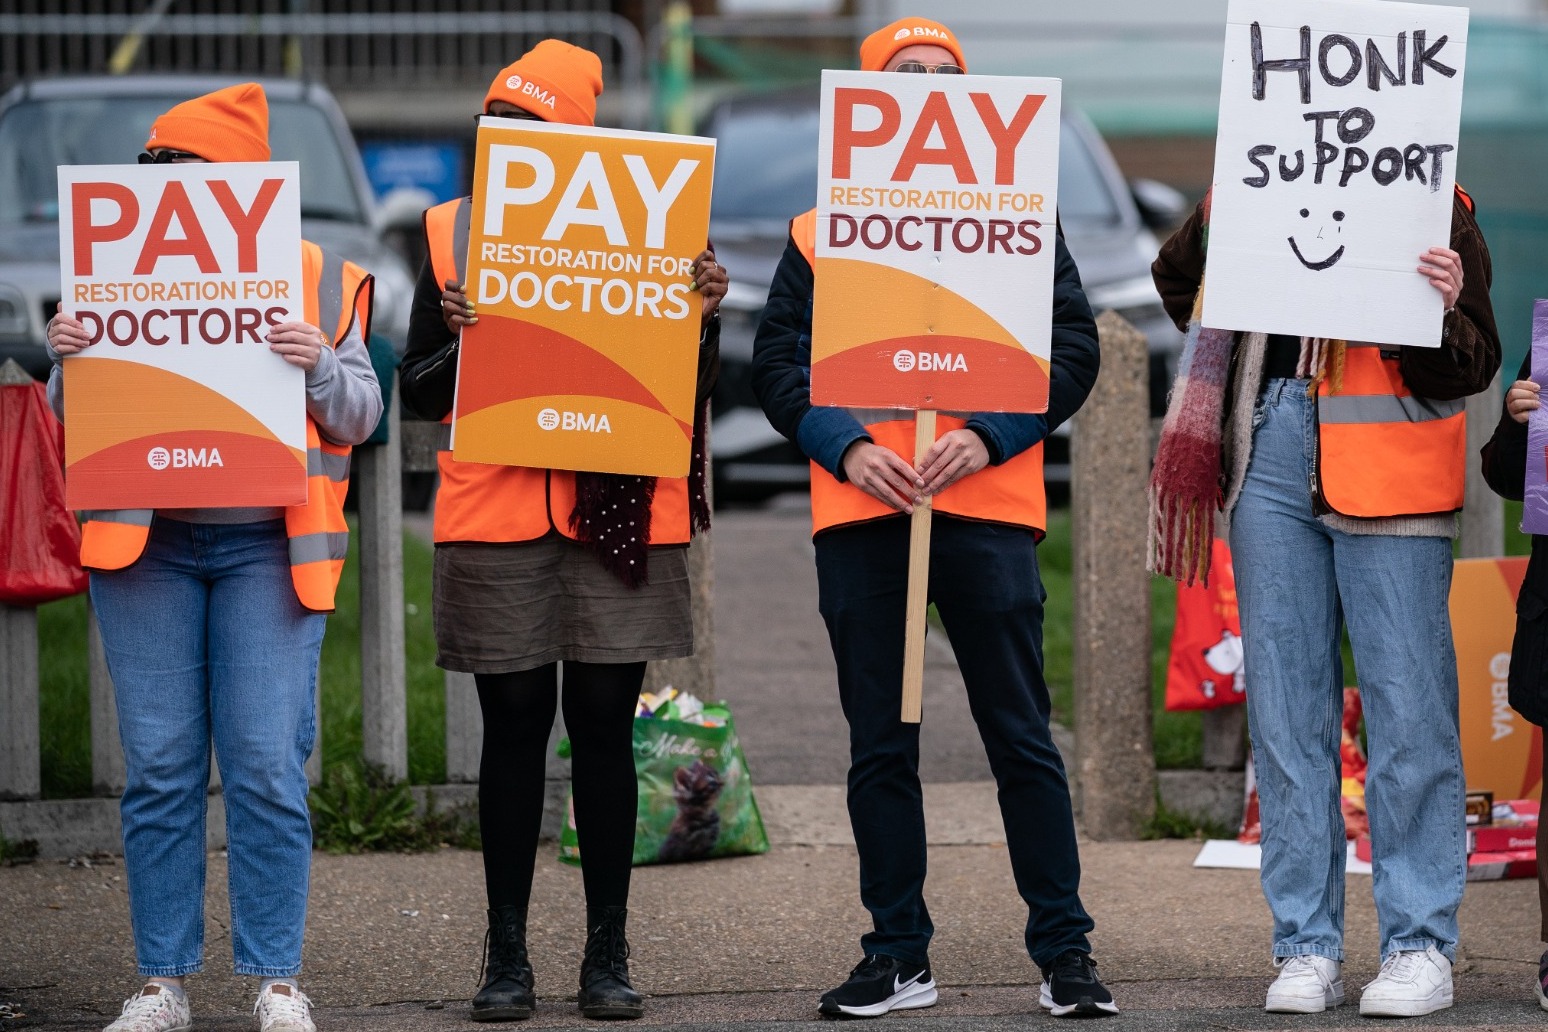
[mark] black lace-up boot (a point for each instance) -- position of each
(507, 975)
(605, 991)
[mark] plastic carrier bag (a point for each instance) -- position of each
(696, 797)
(40, 551)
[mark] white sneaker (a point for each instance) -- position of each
(1411, 982)
(283, 1008)
(1306, 984)
(154, 1009)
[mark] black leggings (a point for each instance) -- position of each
(599, 704)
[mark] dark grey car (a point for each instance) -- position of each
(766, 172)
(104, 121)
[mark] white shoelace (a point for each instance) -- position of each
(150, 1013)
(279, 1010)
(1402, 966)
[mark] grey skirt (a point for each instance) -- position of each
(500, 608)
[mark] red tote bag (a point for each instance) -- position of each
(1205, 669)
(40, 542)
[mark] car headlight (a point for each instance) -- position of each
(13, 312)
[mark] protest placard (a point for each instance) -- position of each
(1534, 509)
(1334, 168)
(935, 241)
(1502, 752)
(580, 266)
(178, 272)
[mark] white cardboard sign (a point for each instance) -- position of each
(1334, 168)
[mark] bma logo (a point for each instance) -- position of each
(929, 362)
(921, 30)
(184, 458)
(530, 89)
(589, 422)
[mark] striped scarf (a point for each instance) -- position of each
(1188, 480)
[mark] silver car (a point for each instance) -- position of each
(104, 121)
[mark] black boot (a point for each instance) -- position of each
(605, 991)
(507, 975)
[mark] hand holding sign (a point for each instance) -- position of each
(1522, 400)
(67, 334)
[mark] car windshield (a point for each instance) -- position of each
(766, 167)
(38, 135)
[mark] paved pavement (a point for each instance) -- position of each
(748, 944)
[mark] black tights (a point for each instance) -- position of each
(599, 704)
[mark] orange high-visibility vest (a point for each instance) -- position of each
(1011, 492)
(482, 502)
(1382, 450)
(337, 294)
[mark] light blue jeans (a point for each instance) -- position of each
(1297, 582)
(204, 636)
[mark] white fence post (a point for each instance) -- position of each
(383, 669)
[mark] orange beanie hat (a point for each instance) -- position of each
(554, 80)
(228, 125)
(880, 45)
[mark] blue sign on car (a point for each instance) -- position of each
(424, 165)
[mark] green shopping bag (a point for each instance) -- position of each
(696, 797)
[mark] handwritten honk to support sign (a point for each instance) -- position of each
(580, 263)
(935, 241)
(1334, 168)
(178, 272)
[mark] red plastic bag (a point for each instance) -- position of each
(1205, 669)
(40, 545)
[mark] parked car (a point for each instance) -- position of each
(766, 172)
(104, 121)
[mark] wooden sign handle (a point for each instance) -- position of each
(918, 583)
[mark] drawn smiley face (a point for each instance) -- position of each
(1332, 259)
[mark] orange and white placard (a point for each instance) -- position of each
(178, 272)
(580, 266)
(1501, 750)
(935, 241)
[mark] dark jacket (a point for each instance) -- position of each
(782, 369)
(1504, 467)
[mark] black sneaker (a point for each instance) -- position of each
(1071, 988)
(878, 984)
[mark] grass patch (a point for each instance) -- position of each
(359, 809)
(65, 704)
(1173, 824)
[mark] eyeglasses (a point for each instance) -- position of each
(166, 157)
(519, 115)
(918, 68)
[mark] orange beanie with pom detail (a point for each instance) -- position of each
(555, 80)
(228, 125)
(879, 46)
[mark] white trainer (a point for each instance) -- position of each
(283, 1008)
(1410, 983)
(154, 1008)
(1306, 984)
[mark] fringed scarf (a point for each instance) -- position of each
(611, 517)
(1187, 481)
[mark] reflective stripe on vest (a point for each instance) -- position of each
(337, 295)
(1384, 451)
(482, 502)
(1010, 493)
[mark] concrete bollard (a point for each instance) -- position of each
(1483, 517)
(464, 728)
(383, 667)
(107, 749)
(1115, 772)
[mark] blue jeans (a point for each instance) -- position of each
(985, 585)
(1298, 581)
(204, 636)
